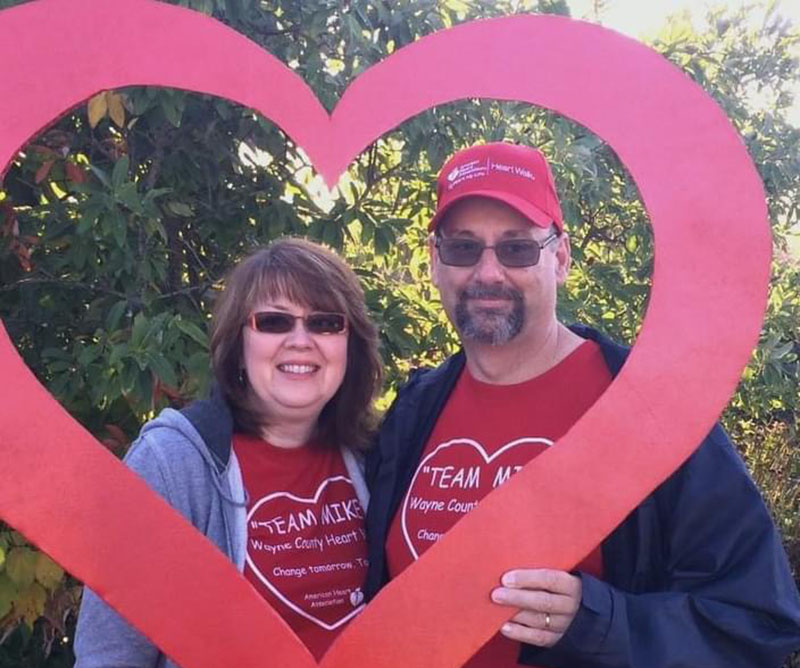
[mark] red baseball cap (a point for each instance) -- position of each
(516, 175)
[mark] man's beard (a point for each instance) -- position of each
(494, 326)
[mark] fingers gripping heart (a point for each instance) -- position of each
(547, 600)
(701, 191)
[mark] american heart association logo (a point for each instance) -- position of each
(695, 178)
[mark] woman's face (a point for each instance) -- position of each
(296, 373)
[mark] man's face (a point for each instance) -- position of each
(489, 303)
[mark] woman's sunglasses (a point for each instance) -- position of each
(278, 322)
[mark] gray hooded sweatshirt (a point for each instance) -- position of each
(199, 477)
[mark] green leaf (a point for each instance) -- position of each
(198, 365)
(21, 566)
(120, 173)
(89, 354)
(781, 351)
(59, 365)
(55, 353)
(48, 573)
(130, 376)
(384, 239)
(140, 327)
(143, 387)
(128, 195)
(180, 209)
(156, 225)
(30, 603)
(163, 369)
(171, 111)
(332, 235)
(192, 331)
(115, 314)
(84, 225)
(155, 193)
(117, 353)
(101, 175)
(119, 228)
(8, 591)
(90, 212)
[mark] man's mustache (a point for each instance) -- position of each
(483, 291)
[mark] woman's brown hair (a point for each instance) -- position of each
(310, 275)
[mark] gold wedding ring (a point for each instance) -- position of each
(547, 620)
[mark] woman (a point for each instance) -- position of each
(295, 358)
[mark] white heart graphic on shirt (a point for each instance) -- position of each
(271, 586)
(460, 442)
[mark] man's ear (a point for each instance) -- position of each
(563, 258)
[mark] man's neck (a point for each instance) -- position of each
(521, 358)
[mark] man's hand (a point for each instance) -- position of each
(548, 601)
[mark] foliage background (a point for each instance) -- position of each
(118, 223)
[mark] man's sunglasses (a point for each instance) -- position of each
(466, 252)
(278, 322)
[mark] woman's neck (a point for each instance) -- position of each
(288, 434)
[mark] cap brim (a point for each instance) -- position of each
(534, 214)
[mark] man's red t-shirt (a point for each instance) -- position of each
(306, 549)
(484, 435)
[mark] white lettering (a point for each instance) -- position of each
(328, 568)
(308, 543)
(289, 572)
(342, 539)
(432, 536)
(261, 546)
(456, 506)
(503, 474)
(425, 506)
(444, 477)
(282, 525)
(335, 513)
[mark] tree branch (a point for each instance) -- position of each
(59, 282)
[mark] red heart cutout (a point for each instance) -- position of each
(709, 288)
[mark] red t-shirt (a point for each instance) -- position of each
(484, 435)
(306, 549)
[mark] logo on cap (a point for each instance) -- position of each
(477, 169)
(469, 170)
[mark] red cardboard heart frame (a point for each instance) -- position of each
(711, 271)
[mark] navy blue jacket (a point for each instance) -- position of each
(695, 576)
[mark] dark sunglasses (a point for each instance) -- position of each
(278, 322)
(465, 252)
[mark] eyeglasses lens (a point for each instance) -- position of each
(276, 322)
(325, 323)
(510, 253)
(273, 322)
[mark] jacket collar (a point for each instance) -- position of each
(614, 354)
(213, 420)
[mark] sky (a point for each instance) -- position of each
(640, 17)
(643, 18)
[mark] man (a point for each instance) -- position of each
(695, 576)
